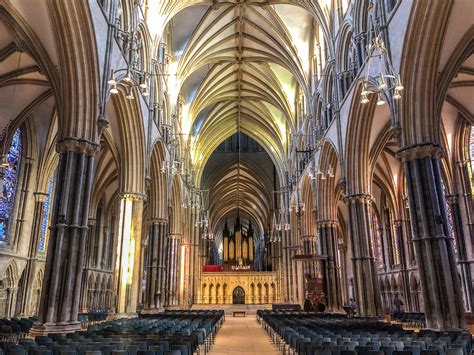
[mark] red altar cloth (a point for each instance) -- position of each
(212, 268)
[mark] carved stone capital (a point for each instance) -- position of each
(420, 151)
(175, 236)
(158, 221)
(357, 198)
(452, 199)
(133, 196)
(77, 145)
(40, 196)
(311, 238)
(326, 223)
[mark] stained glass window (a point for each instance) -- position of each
(449, 210)
(45, 217)
(471, 154)
(395, 246)
(376, 240)
(10, 179)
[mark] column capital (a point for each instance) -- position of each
(134, 196)
(357, 198)
(158, 221)
(77, 145)
(462, 163)
(308, 238)
(452, 199)
(420, 151)
(175, 236)
(40, 196)
(326, 223)
(91, 221)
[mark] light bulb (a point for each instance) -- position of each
(143, 83)
(112, 81)
(323, 177)
(398, 84)
(145, 92)
(364, 91)
(396, 95)
(130, 94)
(163, 170)
(380, 100)
(365, 100)
(113, 89)
(383, 84)
(128, 77)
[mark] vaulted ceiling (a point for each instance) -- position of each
(240, 64)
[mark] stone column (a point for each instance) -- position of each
(367, 291)
(61, 290)
(433, 246)
(328, 235)
(129, 252)
(343, 282)
(287, 266)
(155, 268)
(401, 240)
(173, 269)
(30, 268)
(463, 259)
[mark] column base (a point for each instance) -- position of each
(153, 311)
(45, 329)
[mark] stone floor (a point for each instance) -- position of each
(242, 336)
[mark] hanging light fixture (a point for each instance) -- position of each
(129, 82)
(380, 100)
(130, 94)
(387, 80)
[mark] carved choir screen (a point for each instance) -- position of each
(258, 287)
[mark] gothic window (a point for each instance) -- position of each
(471, 154)
(45, 217)
(449, 210)
(394, 239)
(376, 237)
(9, 184)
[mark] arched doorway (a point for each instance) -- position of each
(238, 296)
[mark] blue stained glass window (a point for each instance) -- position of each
(45, 217)
(10, 179)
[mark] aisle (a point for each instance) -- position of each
(242, 335)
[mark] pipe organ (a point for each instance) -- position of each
(238, 247)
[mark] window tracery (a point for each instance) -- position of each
(10, 180)
(45, 217)
(376, 237)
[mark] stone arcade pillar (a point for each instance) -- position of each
(156, 265)
(61, 290)
(127, 268)
(433, 246)
(365, 273)
(327, 231)
(30, 268)
(172, 283)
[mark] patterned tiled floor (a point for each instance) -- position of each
(242, 336)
